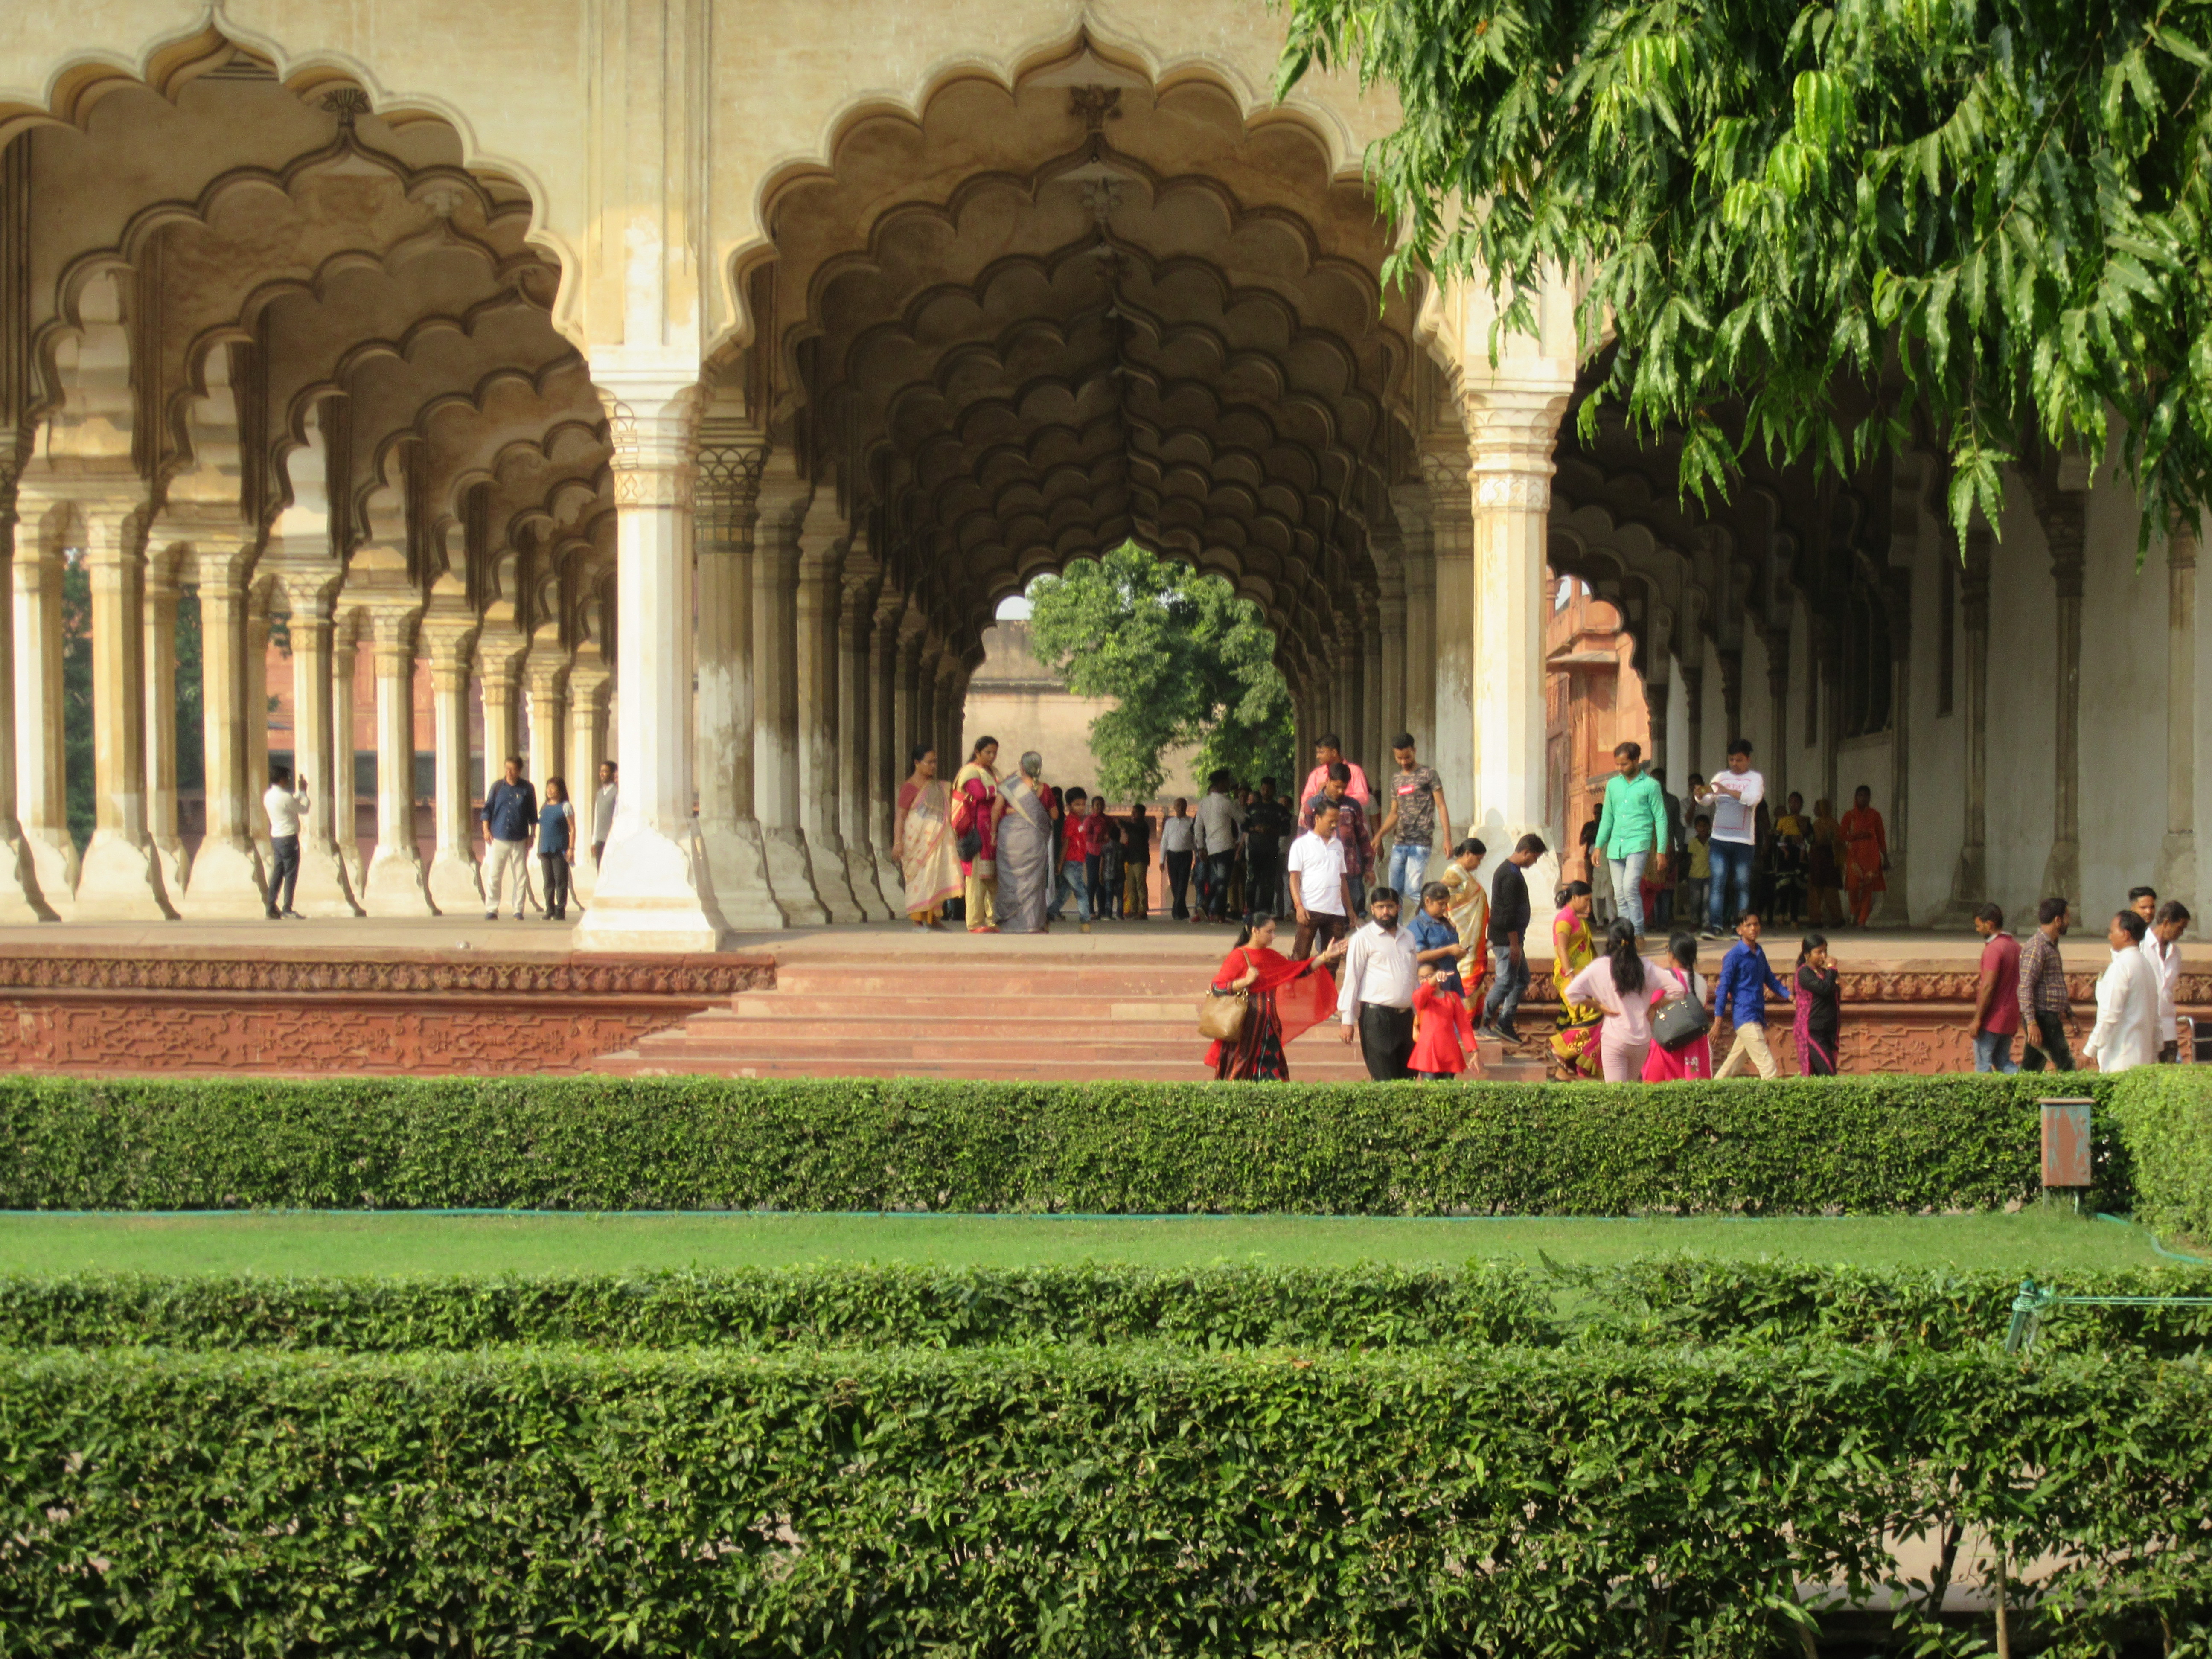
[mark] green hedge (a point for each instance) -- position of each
(2165, 1113)
(1662, 1301)
(1104, 1501)
(1795, 1146)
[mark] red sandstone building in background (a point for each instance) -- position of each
(1592, 701)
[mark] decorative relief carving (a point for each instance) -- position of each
(705, 978)
(1530, 490)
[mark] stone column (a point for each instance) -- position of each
(259, 597)
(395, 883)
(821, 557)
(2064, 513)
(345, 795)
(323, 890)
(1451, 631)
(908, 717)
(887, 766)
(499, 676)
(1420, 658)
(856, 746)
(1379, 717)
(2177, 854)
(1510, 438)
(785, 500)
(588, 682)
(121, 880)
(655, 892)
(731, 456)
(547, 671)
(20, 897)
(948, 704)
(1693, 676)
(1397, 716)
(227, 876)
(163, 594)
(41, 777)
(1970, 879)
(925, 726)
(1777, 707)
(454, 885)
(1344, 689)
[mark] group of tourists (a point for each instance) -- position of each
(2023, 990)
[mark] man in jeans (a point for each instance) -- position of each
(1509, 931)
(1996, 1003)
(510, 820)
(1733, 799)
(2045, 1005)
(1632, 831)
(1072, 881)
(1417, 816)
(1220, 821)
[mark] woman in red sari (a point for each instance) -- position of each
(1866, 854)
(1285, 999)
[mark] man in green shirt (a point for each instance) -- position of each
(1632, 830)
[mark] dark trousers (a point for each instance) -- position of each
(1213, 883)
(1094, 883)
(1318, 928)
(1179, 881)
(1263, 880)
(284, 876)
(554, 866)
(1507, 986)
(2047, 1046)
(1386, 1041)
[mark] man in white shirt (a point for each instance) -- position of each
(285, 809)
(1218, 821)
(603, 812)
(1176, 833)
(1733, 799)
(1380, 971)
(2127, 1031)
(1320, 892)
(2162, 945)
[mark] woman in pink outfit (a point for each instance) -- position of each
(1693, 1059)
(1619, 983)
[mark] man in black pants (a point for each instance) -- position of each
(1266, 821)
(1379, 974)
(1509, 930)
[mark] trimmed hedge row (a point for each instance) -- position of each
(1746, 1147)
(2165, 1112)
(1082, 1501)
(1666, 1300)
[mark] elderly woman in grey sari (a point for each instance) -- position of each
(1025, 849)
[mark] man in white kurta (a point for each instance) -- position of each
(2127, 1032)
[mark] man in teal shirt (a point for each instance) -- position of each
(1632, 830)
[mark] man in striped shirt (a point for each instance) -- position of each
(2044, 1005)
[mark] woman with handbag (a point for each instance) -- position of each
(1261, 1002)
(1681, 1030)
(976, 807)
(1618, 983)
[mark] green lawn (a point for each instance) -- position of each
(2033, 1241)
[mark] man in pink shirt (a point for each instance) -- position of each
(1996, 1003)
(1329, 751)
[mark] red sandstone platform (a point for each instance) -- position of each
(476, 997)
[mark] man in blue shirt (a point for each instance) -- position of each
(1740, 997)
(510, 819)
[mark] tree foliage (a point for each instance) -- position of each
(1809, 227)
(1184, 660)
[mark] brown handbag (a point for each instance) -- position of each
(1221, 1015)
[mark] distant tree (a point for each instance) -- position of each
(1184, 660)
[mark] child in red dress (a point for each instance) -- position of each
(1443, 1035)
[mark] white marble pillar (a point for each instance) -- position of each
(2177, 854)
(1421, 665)
(346, 786)
(323, 889)
(227, 879)
(732, 457)
(784, 503)
(908, 716)
(1450, 631)
(1377, 724)
(588, 683)
(855, 747)
(886, 755)
(498, 679)
(396, 884)
(655, 892)
(821, 557)
(41, 776)
(259, 596)
(164, 595)
(121, 880)
(454, 884)
(1396, 715)
(21, 900)
(546, 673)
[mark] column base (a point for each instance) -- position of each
(356, 873)
(54, 865)
(228, 884)
(1970, 890)
(860, 873)
(323, 890)
(20, 901)
(2176, 872)
(1895, 910)
(833, 882)
(121, 882)
(176, 868)
(891, 882)
(394, 884)
(737, 859)
(791, 878)
(455, 885)
(654, 894)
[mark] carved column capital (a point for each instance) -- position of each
(652, 429)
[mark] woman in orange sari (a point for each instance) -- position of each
(1575, 1044)
(1283, 1000)
(1866, 854)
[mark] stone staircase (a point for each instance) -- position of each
(978, 1013)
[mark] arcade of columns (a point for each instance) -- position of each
(764, 440)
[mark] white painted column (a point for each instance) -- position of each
(731, 457)
(259, 597)
(784, 503)
(1451, 631)
(655, 892)
(1421, 666)
(1396, 715)
(20, 898)
(547, 669)
(396, 884)
(41, 777)
(886, 757)
(454, 885)
(323, 889)
(2177, 854)
(345, 790)
(499, 673)
(228, 877)
(821, 558)
(121, 879)
(588, 681)
(163, 597)
(855, 745)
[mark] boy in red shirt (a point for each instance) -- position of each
(1443, 1035)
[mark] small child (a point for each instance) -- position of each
(1701, 864)
(1112, 855)
(1443, 1035)
(1820, 1008)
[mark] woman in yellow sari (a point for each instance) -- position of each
(1575, 1043)
(921, 841)
(1469, 909)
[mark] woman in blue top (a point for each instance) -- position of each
(557, 846)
